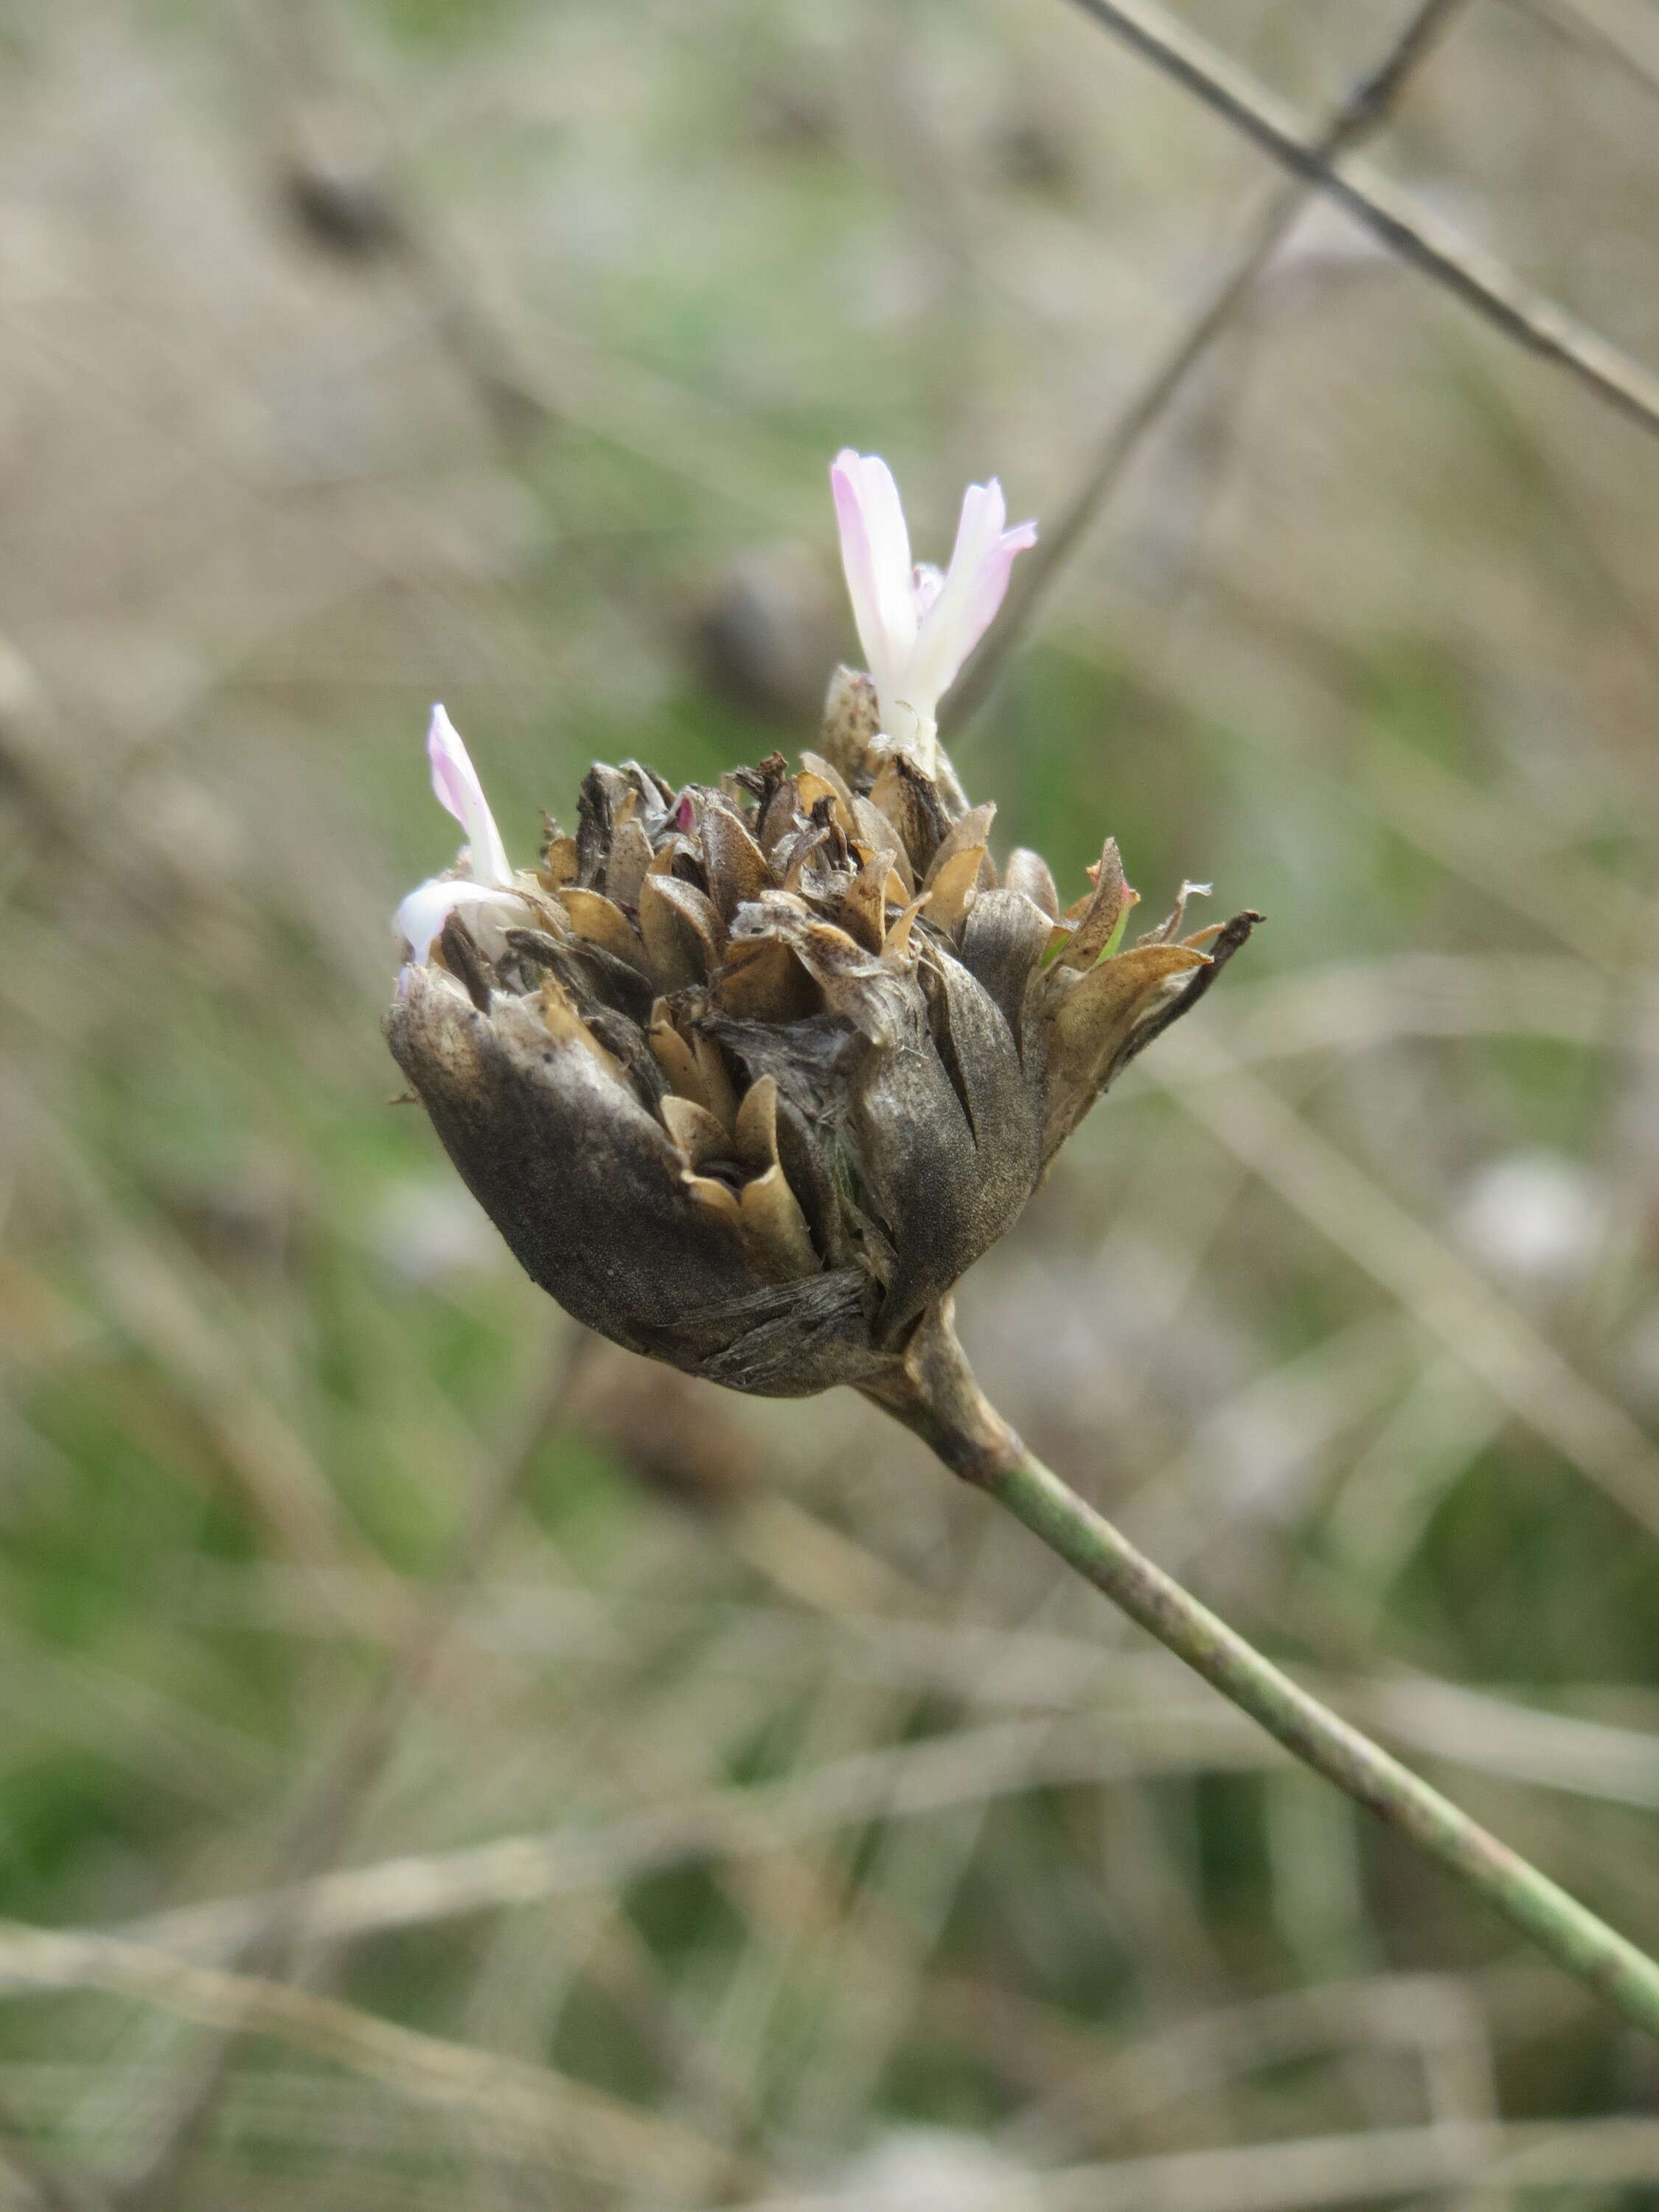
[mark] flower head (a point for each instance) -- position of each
(918, 626)
(748, 1075)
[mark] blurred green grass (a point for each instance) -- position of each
(1366, 638)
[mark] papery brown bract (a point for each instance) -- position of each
(767, 1066)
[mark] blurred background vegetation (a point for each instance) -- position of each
(694, 1802)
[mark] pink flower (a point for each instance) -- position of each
(489, 879)
(917, 626)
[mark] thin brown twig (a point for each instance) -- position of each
(1084, 2081)
(1445, 1295)
(1480, 279)
(1474, 833)
(532, 2107)
(1367, 105)
(1071, 1739)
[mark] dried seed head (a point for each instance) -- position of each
(748, 1077)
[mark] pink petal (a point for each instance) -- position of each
(456, 782)
(875, 551)
(994, 578)
(421, 916)
(971, 593)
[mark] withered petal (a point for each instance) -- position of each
(874, 830)
(594, 917)
(1002, 1101)
(739, 870)
(973, 829)
(815, 789)
(1092, 1027)
(1099, 912)
(795, 854)
(1002, 943)
(761, 979)
(815, 764)
(603, 791)
(774, 1226)
(778, 816)
(862, 912)
(558, 860)
(681, 930)
(1029, 872)
(953, 889)
(912, 806)
(630, 857)
(462, 957)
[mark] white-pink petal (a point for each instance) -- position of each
(456, 782)
(875, 551)
(420, 917)
(916, 626)
(993, 584)
(929, 583)
(973, 584)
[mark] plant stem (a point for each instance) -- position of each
(940, 1399)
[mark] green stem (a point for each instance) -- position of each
(940, 1401)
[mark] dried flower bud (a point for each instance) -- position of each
(748, 1076)
(751, 1088)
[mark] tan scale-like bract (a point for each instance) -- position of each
(767, 1066)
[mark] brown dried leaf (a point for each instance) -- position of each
(1002, 943)
(816, 765)
(863, 909)
(630, 859)
(1097, 916)
(1092, 1023)
(593, 917)
(973, 829)
(774, 1226)
(698, 1135)
(558, 861)
(681, 933)
(875, 831)
(911, 804)
(677, 1061)
(737, 869)
(761, 979)
(720, 1096)
(955, 886)
(1029, 872)
(566, 1026)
